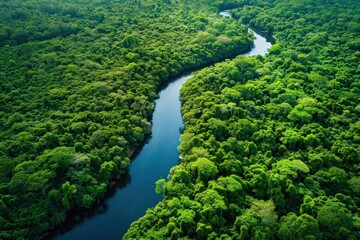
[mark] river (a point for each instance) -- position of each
(128, 201)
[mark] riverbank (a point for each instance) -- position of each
(124, 205)
(182, 183)
(268, 149)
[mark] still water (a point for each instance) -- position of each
(129, 200)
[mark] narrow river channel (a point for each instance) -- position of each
(129, 200)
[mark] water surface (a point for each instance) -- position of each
(154, 161)
(128, 202)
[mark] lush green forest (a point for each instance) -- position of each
(271, 148)
(77, 90)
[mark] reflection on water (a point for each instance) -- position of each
(128, 199)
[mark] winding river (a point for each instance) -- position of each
(128, 200)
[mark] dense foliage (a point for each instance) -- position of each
(77, 90)
(271, 148)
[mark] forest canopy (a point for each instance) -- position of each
(78, 85)
(271, 144)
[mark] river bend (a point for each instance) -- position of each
(129, 200)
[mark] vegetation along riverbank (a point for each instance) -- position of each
(271, 145)
(78, 80)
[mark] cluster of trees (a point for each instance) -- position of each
(271, 147)
(77, 90)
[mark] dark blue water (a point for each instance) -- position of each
(114, 216)
(128, 202)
